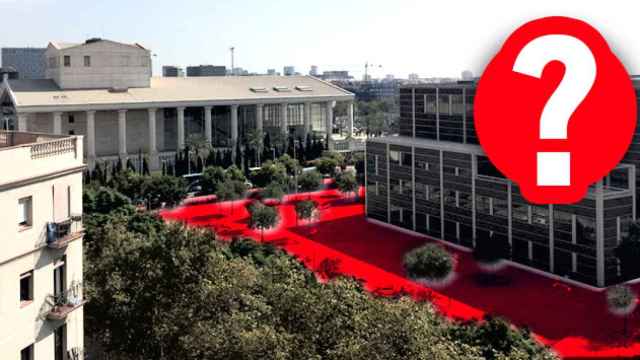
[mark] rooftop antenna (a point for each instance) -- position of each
(366, 70)
(232, 49)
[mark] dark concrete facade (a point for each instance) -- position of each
(434, 179)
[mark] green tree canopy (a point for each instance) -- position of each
(346, 182)
(262, 217)
(309, 181)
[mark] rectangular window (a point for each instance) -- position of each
(407, 187)
(500, 208)
(25, 212)
(407, 159)
(443, 104)
(59, 340)
(26, 288)
(396, 186)
(464, 200)
(450, 198)
(434, 194)
(67, 61)
(520, 212)
(376, 164)
(394, 157)
(71, 119)
(483, 204)
(421, 164)
(539, 215)
(27, 353)
(430, 104)
(87, 61)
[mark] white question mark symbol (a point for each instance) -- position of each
(554, 168)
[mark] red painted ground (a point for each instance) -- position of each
(573, 321)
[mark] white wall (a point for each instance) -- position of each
(22, 252)
(112, 65)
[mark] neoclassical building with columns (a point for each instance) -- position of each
(104, 90)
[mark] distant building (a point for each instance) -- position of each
(467, 75)
(289, 70)
(371, 90)
(271, 72)
(389, 77)
(28, 62)
(413, 77)
(105, 99)
(207, 70)
(336, 75)
(314, 70)
(172, 71)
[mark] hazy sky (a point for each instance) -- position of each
(431, 38)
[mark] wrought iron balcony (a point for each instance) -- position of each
(64, 303)
(59, 234)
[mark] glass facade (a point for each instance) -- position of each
(435, 180)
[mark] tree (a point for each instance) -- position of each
(326, 165)
(268, 173)
(163, 291)
(272, 192)
(231, 190)
(309, 181)
(262, 217)
(430, 262)
(103, 200)
(255, 141)
(628, 253)
(305, 210)
(212, 177)
(346, 182)
(167, 190)
(622, 301)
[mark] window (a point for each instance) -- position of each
(486, 168)
(26, 288)
(450, 197)
(464, 200)
(430, 104)
(422, 165)
(67, 61)
(520, 212)
(406, 187)
(500, 208)
(407, 159)
(59, 340)
(396, 186)
(27, 353)
(539, 215)
(483, 204)
(434, 194)
(71, 119)
(87, 60)
(394, 157)
(72, 132)
(25, 212)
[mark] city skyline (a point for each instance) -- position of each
(335, 36)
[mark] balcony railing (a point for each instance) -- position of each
(66, 302)
(59, 234)
(53, 148)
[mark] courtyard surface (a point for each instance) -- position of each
(573, 321)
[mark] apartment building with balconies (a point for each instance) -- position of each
(41, 258)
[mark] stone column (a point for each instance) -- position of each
(154, 160)
(122, 134)
(208, 131)
(234, 128)
(57, 123)
(329, 123)
(180, 127)
(284, 114)
(22, 122)
(259, 117)
(350, 120)
(307, 120)
(91, 138)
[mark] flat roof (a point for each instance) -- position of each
(29, 95)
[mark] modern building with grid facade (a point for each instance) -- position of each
(434, 179)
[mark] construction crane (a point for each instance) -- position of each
(232, 49)
(366, 69)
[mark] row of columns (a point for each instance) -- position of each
(208, 128)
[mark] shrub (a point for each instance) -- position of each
(431, 262)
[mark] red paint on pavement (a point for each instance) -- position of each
(572, 320)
